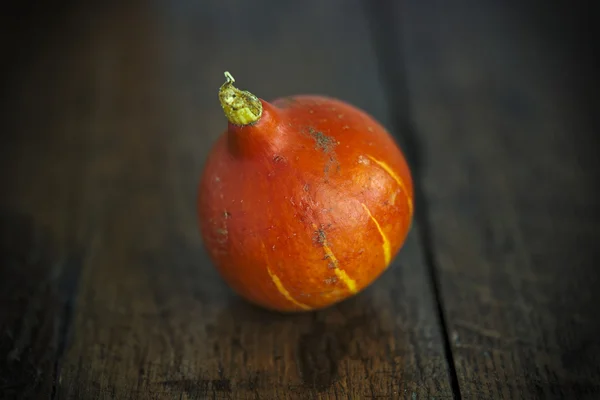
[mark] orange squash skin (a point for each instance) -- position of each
(306, 207)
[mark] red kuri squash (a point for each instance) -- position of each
(304, 201)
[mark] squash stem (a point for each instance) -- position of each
(241, 107)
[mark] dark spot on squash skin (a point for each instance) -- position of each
(226, 214)
(278, 159)
(322, 142)
(319, 237)
(306, 187)
(326, 144)
(329, 164)
(330, 264)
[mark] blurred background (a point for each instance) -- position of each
(110, 108)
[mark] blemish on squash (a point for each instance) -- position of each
(322, 142)
(332, 262)
(340, 116)
(329, 164)
(345, 127)
(363, 160)
(226, 214)
(326, 144)
(319, 237)
(306, 187)
(278, 158)
(370, 128)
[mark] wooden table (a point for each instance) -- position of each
(109, 112)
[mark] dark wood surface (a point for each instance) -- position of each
(106, 291)
(506, 115)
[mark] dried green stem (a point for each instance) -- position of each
(240, 107)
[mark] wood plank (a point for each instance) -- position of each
(115, 118)
(36, 285)
(505, 111)
(39, 261)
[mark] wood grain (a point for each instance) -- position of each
(39, 260)
(117, 114)
(504, 106)
(36, 285)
